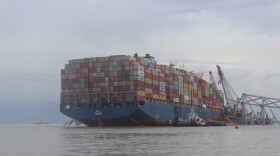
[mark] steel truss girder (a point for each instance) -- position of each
(262, 102)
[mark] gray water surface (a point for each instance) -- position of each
(56, 140)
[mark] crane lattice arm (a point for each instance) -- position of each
(230, 95)
(213, 82)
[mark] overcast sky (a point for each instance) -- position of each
(37, 37)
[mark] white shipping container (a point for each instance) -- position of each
(192, 78)
(141, 73)
(162, 83)
(195, 86)
(141, 68)
(162, 88)
(94, 75)
(141, 78)
(176, 99)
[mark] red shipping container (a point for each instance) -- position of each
(147, 85)
(162, 92)
(149, 95)
(135, 63)
(195, 95)
(148, 71)
(170, 98)
(141, 98)
(140, 88)
(139, 83)
(168, 90)
(149, 76)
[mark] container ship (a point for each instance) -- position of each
(122, 90)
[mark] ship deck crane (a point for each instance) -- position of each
(212, 80)
(214, 87)
(232, 108)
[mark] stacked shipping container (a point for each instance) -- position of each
(129, 78)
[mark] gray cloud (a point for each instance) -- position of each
(201, 5)
(258, 16)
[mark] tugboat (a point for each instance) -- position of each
(193, 119)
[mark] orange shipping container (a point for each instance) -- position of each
(155, 96)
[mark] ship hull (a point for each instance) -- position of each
(134, 114)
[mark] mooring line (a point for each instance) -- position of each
(130, 117)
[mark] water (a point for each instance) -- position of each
(55, 140)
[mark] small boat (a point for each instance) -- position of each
(215, 123)
(41, 122)
(193, 119)
(228, 122)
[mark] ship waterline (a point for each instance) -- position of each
(134, 114)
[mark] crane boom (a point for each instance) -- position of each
(230, 95)
(212, 80)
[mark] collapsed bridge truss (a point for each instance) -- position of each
(265, 105)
